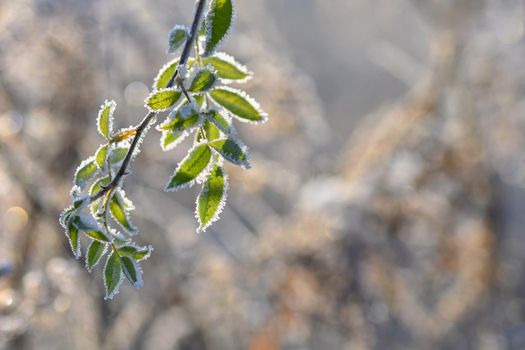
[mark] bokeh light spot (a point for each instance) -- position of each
(135, 93)
(10, 124)
(16, 219)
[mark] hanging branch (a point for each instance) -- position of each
(205, 107)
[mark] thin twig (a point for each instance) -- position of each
(199, 10)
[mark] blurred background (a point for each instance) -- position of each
(385, 205)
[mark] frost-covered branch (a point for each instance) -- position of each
(101, 211)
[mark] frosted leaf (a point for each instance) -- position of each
(73, 236)
(86, 170)
(96, 188)
(212, 199)
(177, 37)
(135, 252)
(163, 99)
(94, 253)
(186, 118)
(118, 238)
(169, 140)
(117, 155)
(239, 104)
(211, 131)
(65, 217)
(128, 204)
(223, 123)
(101, 156)
(219, 23)
(232, 151)
(165, 74)
(203, 79)
(112, 275)
(90, 228)
(97, 235)
(190, 168)
(117, 207)
(132, 271)
(105, 118)
(227, 68)
(69, 213)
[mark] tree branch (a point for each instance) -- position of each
(199, 11)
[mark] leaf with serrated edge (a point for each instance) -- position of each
(190, 168)
(95, 188)
(232, 151)
(112, 275)
(86, 170)
(163, 99)
(219, 23)
(118, 211)
(239, 104)
(203, 79)
(212, 132)
(132, 271)
(186, 118)
(105, 118)
(101, 155)
(74, 238)
(118, 154)
(169, 140)
(177, 37)
(212, 198)
(165, 74)
(97, 235)
(227, 68)
(135, 252)
(95, 252)
(223, 123)
(90, 228)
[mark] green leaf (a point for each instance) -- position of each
(190, 168)
(86, 170)
(118, 154)
(101, 155)
(199, 98)
(90, 228)
(239, 104)
(219, 121)
(203, 80)
(186, 118)
(137, 253)
(112, 275)
(163, 99)
(212, 132)
(74, 238)
(105, 118)
(227, 67)
(212, 198)
(118, 210)
(177, 37)
(94, 253)
(95, 188)
(219, 22)
(165, 74)
(199, 136)
(169, 140)
(132, 271)
(97, 235)
(232, 152)
(97, 185)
